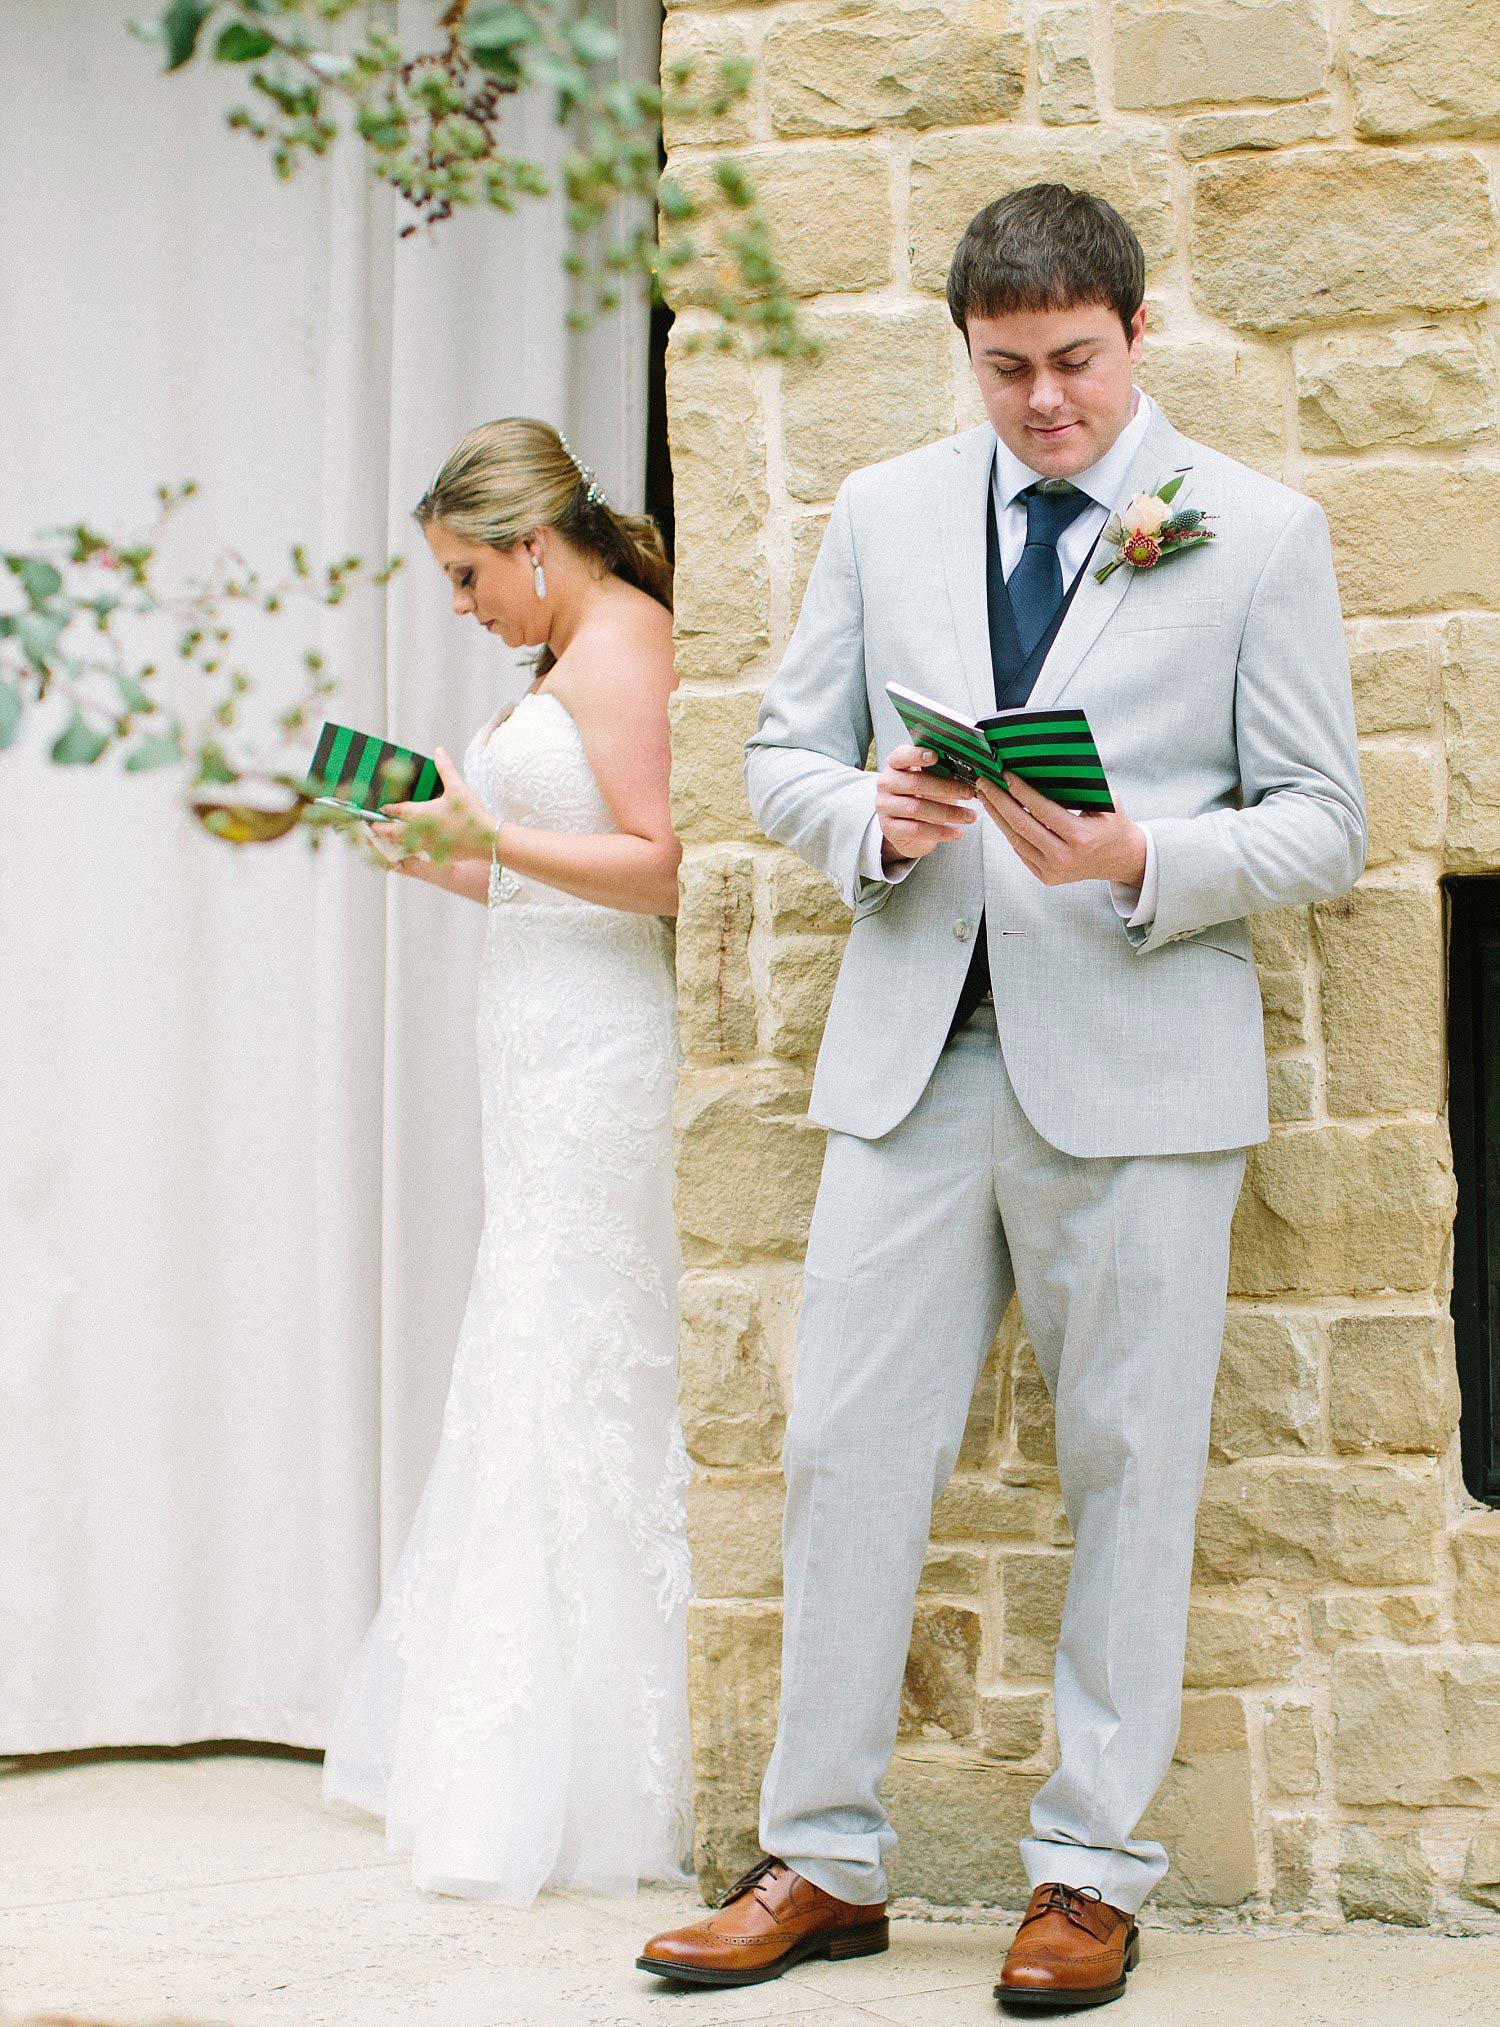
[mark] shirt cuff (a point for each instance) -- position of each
(1136, 906)
(872, 865)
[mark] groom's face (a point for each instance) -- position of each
(1057, 384)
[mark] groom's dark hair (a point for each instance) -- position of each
(1046, 248)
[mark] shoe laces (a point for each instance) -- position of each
(748, 1881)
(1069, 1902)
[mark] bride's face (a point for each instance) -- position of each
(496, 587)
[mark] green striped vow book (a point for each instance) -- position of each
(358, 772)
(1052, 750)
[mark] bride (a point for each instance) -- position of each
(517, 1712)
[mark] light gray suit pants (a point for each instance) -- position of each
(917, 1242)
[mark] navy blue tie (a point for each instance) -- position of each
(1035, 585)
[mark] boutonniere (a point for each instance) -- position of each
(1146, 531)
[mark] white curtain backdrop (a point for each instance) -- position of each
(239, 1172)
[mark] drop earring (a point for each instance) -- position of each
(539, 577)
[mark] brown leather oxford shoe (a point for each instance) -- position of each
(766, 1922)
(1072, 1949)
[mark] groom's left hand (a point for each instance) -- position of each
(1059, 846)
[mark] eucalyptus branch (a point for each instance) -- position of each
(82, 610)
(431, 122)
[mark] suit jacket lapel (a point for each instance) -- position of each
(1162, 450)
(965, 504)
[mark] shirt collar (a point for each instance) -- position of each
(1102, 481)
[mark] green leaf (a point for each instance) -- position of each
(458, 135)
(385, 129)
(39, 633)
(736, 75)
(10, 714)
(592, 42)
(500, 28)
(133, 693)
(570, 79)
(1183, 545)
(239, 44)
(181, 25)
(80, 745)
(624, 107)
(1168, 493)
(163, 749)
(39, 580)
(735, 184)
(674, 202)
(213, 766)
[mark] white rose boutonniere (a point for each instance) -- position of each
(1146, 514)
(1147, 530)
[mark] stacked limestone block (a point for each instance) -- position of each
(1314, 190)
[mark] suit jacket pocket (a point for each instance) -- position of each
(1149, 617)
(1216, 939)
(877, 898)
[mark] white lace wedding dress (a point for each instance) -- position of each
(517, 1712)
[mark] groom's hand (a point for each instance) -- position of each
(918, 810)
(1060, 847)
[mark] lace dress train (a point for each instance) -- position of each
(517, 1712)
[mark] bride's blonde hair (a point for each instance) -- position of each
(511, 476)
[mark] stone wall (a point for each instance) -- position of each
(1313, 185)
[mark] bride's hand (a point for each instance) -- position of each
(453, 825)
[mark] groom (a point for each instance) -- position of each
(1042, 1066)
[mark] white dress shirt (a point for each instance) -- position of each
(1103, 482)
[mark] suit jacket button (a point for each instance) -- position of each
(963, 931)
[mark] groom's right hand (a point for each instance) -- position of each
(918, 810)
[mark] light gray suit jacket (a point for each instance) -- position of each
(1217, 686)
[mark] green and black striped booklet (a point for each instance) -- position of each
(1052, 750)
(361, 773)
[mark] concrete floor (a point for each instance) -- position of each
(216, 1888)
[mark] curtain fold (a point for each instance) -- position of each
(239, 1170)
